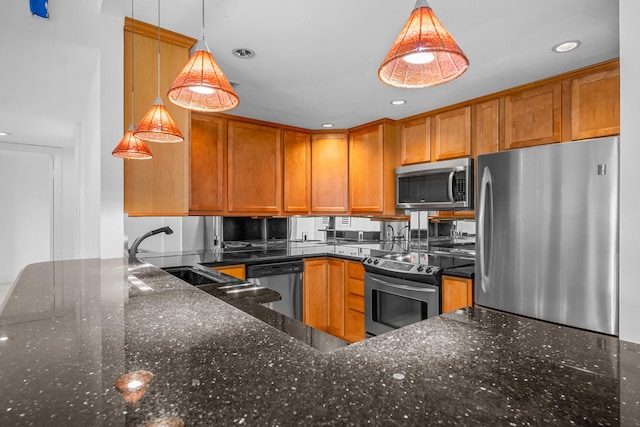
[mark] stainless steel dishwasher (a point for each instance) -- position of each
(286, 279)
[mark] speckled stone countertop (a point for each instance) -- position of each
(69, 329)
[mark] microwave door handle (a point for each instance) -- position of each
(450, 186)
(404, 287)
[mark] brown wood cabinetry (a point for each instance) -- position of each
(314, 293)
(354, 329)
(208, 146)
(329, 173)
(297, 172)
(335, 297)
(533, 116)
(372, 169)
(595, 105)
(486, 135)
(415, 141)
(254, 178)
(237, 271)
(159, 186)
(452, 134)
(456, 293)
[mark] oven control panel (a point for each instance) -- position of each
(402, 268)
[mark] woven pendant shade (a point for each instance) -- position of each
(423, 34)
(131, 147)
(201, 85)
(158, 126)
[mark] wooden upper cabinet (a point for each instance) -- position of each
(208, 145)
(329, 173)
(595, 105)
(533, 116)
(297, 172)
(371, 169)
(415, 144)
(452, 134)
(254, 165)
(486, 135)
(158, 186)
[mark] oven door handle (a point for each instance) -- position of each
(405, 287)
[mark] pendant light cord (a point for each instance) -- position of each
(203, 20)
(132, 67)
(158, 48)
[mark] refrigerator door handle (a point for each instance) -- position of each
(450, 186)
(485, 222)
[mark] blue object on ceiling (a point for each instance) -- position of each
(39, 8)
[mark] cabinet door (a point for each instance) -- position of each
(297, 172)
(354, 329)
(314, 293)
(452, 134)
(158, 186)
(456, 293)
(415, 146)
(366, 170)
(237, 271)
(595, 105)
(208, 142)
(329, 174)
(335, 297)
(533, 117)
(254, 169)
(486, 138)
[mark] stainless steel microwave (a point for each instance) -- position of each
(441, 186)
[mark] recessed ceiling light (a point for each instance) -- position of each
(327, 125)
(398, 102)
(566, 46)
(5, 133)
(244, 53)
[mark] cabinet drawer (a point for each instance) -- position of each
(355, 303)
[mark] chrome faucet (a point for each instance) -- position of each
(136, 243)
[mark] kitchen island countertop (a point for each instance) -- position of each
(69, 329)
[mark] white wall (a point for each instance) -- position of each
(629, 170)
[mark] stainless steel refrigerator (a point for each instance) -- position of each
(547, 233)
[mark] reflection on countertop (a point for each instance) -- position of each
(71, 329)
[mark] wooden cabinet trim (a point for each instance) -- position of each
(415, 144)
(452, 134)
(208, 164)
(598, 112)
(329, 173)
(296, 172)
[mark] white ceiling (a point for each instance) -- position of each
(317, 61)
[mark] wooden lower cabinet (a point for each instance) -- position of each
(314, 293)
(457, 293)
(236, 271)
(333, 297)
(354, 302)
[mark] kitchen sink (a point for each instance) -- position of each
(195, 276)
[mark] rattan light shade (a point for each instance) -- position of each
(201, 85)
(131, 147)
(423, 33)
(158, 126)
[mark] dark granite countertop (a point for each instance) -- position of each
(70, 329)
(355, 251)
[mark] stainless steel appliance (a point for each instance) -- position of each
(401, 289)
(446, 185)
(547, 236)
(284, 278)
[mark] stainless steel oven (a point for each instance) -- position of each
(392, 303)
(401, 289)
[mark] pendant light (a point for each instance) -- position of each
(131, 147)
(157, 125)
(424, 54)
(201, 85)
